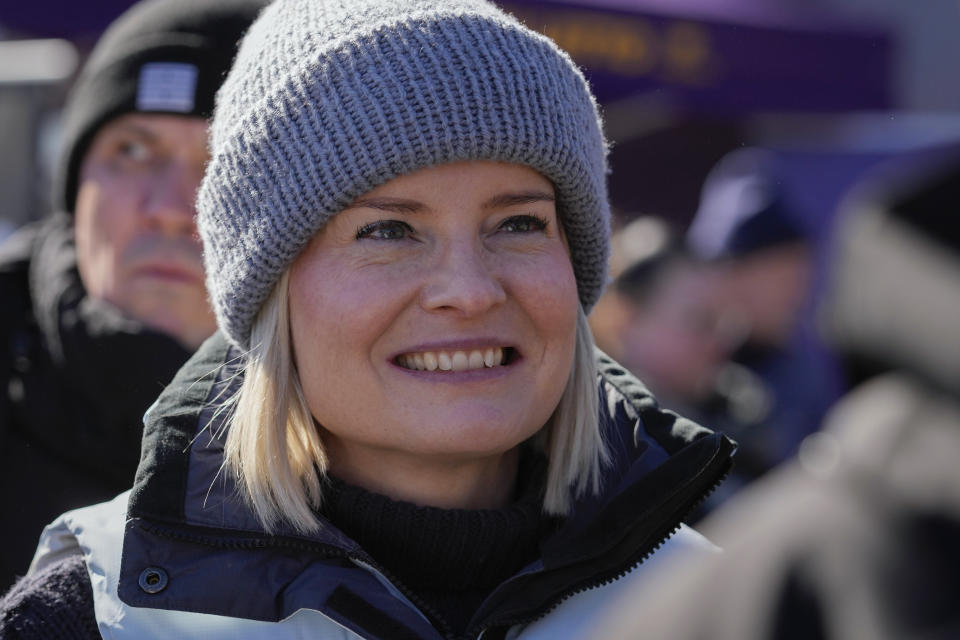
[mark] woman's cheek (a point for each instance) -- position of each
(552, 279)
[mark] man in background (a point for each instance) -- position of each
(661, 317)
(750, 231)
(105, 299)
(666, 318)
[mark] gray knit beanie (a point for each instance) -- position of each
(330, 98)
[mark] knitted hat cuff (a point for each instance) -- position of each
(353, 116)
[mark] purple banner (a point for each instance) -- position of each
(708, 64)
(722, 57)
(78, 21)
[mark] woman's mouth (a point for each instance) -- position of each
(455, 360)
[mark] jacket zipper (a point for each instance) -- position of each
(477, 632)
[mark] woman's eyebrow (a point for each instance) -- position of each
(504, 200)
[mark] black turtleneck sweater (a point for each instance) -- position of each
(447, 560)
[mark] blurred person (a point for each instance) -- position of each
(398, 431)
(672, 335)
(748, 229)
(105, 299)
(666, 320)
(857, 536)
(674, 338)
(668, 325)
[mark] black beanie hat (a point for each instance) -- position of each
(160, 56)
(744, 208)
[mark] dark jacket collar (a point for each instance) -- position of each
(88, 373)
(663, 466)
(76, 326)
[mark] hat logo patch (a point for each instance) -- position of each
(167, 86)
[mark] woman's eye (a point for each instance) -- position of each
(523, 224)
(384, 230)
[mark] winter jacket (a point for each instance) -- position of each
(184, 557)
(75, 380)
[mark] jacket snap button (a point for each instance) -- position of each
(153, 580)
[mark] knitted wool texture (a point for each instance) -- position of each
(53, 604)
(329, 99)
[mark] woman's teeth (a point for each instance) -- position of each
(452, 360)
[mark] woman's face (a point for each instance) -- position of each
(434, 318)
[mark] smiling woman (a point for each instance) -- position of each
(464, 269)
(402, 428)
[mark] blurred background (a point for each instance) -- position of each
(739, 130)
(833, 86)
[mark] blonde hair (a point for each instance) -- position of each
(273, 446)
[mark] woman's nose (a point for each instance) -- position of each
(463, 282)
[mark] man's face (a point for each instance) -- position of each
(769, 289)
(137, 244)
